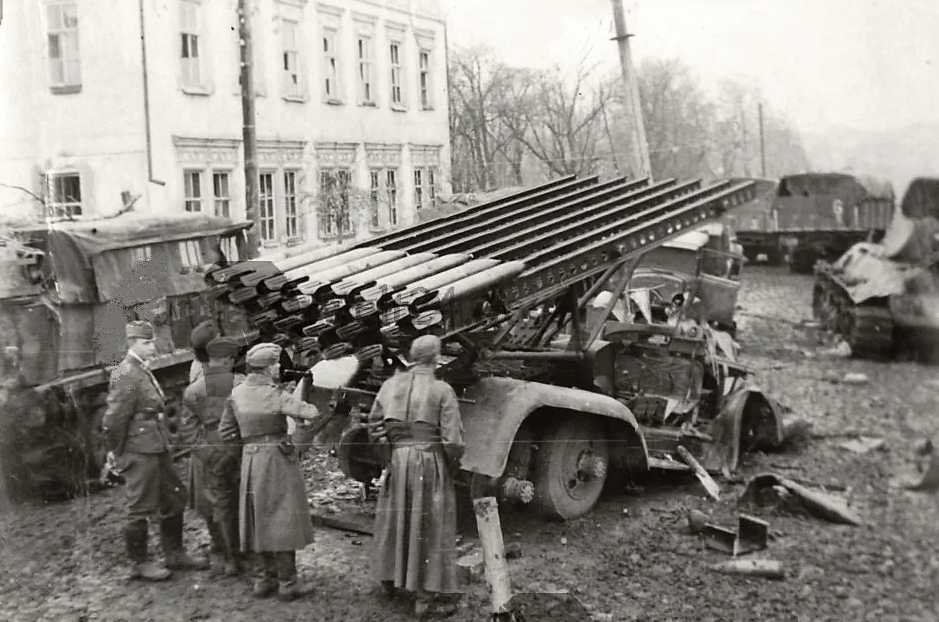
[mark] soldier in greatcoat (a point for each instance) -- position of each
(415, 520)
(274, 515)
(215, 466)
(136, 435)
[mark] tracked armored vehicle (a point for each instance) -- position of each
(567, 371)
(883, 298)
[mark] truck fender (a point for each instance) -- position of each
(749, 420)
(501, 405)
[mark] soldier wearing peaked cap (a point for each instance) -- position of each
(199, 339)
(137, 436)
(215, 466)
(274, 515)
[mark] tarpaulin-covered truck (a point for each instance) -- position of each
(811, 216)
(66, 290)
(558, 390)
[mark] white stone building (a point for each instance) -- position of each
(104, 102)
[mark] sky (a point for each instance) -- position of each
(852, 64)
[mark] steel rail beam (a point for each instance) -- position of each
(535, 212)
(421, 231)
(587, 257)
(587, 218)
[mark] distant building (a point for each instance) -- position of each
(105, 102)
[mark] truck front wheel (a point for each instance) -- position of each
(570, 468)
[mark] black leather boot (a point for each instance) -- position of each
(288, 587)
(230, 541)
(141, 569)
(171, 539)
(218, 539)
(265, 580)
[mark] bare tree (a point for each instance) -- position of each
(561, 118)
(735, 143)
(340, 207)
(485, 151)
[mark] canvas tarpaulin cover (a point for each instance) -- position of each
(95, 261)
(862, 186)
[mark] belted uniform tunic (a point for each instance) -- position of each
(274, 514)
(215, 466)
(135, 431)
(415, 521)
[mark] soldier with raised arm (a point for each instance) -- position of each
(216, 466)
(137, 436)
(274, 515)
(415, 521)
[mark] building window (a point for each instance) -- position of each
(266, 193)
(425, 80)
(64, 65)
(291, 57)
(383, 194)
(192, 191)
(229, 246)
(141, 253)
(190, 254)
(334, 209)
(432, 187)
(374, 198)
(418, 189)
(425, 187)
(391, 187)
(65, 194)
(291, 216)
(330, 65)
(366, 88)
(190, 37)
(221, 194)
(397, 89)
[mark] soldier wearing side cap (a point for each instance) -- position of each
(137, 436)
(199, 338)
(215, 466)
(274, 515)
(415, 520)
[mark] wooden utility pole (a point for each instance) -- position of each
(249, 130)
(642, 167)
(762, 143)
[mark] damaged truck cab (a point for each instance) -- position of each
(68, 288)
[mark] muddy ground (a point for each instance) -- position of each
(631, 559)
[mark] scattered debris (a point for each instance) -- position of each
(789, 492)
(464, 548)
(752, 535)
(563, 540)
(766, 568)
(862, 445)
(855, 378)
(927, 479)
(495, 565)
(830, 375)
(470, 567)
(697, 520)
(706, 480)
(842, 351)
(353, 526)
